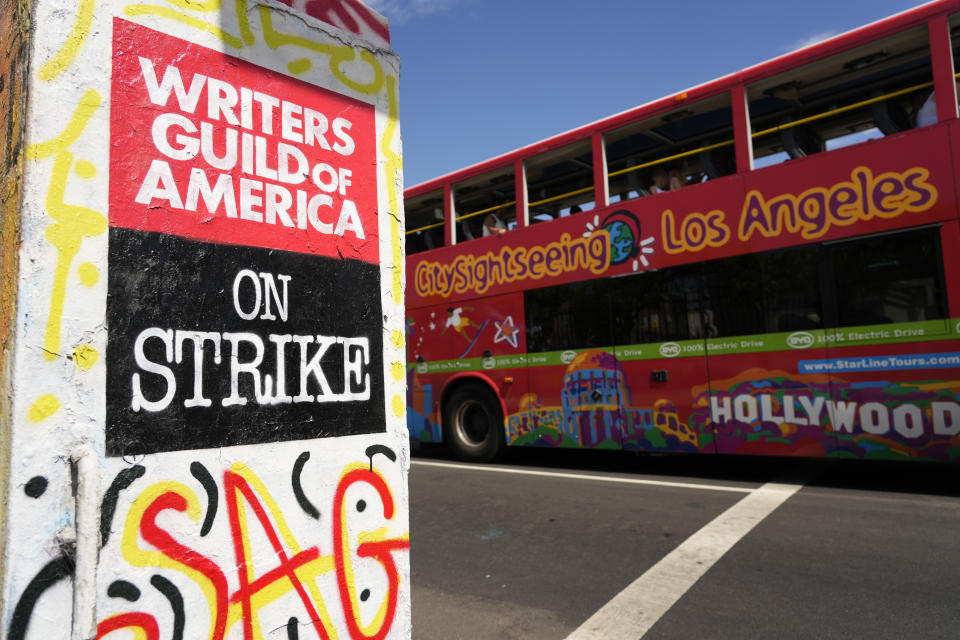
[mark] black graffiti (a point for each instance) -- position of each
(35, 486)
(123, 589)
(109, 504)
(374, 449)
(53, 572)
(293, 632)
(213, 496)
(172, 594)
(302, 500)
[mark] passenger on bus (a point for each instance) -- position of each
(927, 113)
(677, 180)
(661, 181)
(493, 225)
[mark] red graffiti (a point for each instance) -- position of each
(381, 551)
(291, 569)
(234, 485)
(143, 621)
(185, 555)
(340, 13)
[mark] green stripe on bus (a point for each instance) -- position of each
(899, 333)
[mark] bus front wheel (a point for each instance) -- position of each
(473, 423)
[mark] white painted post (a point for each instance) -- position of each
(202, 373)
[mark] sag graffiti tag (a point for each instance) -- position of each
(242, 591)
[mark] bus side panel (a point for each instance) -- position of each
(898, 181)
(660, 404)
(759, 404)
(427, 345)
(573, 404)
(463, 339)
(898, 401)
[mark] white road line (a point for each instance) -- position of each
(583, 476)
(637, 608)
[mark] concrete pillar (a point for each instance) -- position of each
(201, 321)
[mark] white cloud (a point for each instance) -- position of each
(806, 42)
(403, 10)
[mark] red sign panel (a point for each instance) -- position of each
(211, 147)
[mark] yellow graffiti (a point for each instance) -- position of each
(397, 339)
(244, 21)
(44, 407)
(338, 54)
(197, 5)
(248, 554)
(85, 356)
(73, 222)
(393, 170)
(89, 274)
(398, 371)
(85, 169)
(143, 558)
(346, 54)
(399, 406)
(300, 66)
(89, 103)
(172, 14)
(62, 59)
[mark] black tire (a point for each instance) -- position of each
(473, 423)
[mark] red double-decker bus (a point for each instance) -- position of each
(765, 264)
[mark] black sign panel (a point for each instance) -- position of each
(213, 345)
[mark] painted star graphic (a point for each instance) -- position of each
(506, 332)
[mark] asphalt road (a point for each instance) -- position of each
(861, 550)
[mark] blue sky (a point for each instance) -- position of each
(483, 77)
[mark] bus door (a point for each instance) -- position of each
(575, 381)
(765, 315)
(658, 333)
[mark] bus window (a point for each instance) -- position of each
(659, 306)
(484, 203)
(559, 180)
(570, 316)
(861, 94)
(954, 23)
(889, 278)
(693, 143)
(733, 296)
(424, 221)
(791, 290)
